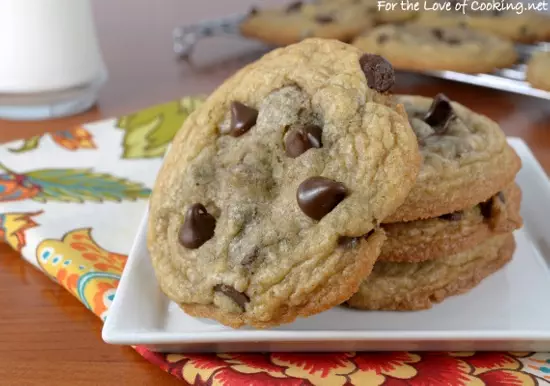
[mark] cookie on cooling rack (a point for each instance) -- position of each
(418, 47)
(341, 20)
(537, 70)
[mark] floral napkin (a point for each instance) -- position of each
(70, 204)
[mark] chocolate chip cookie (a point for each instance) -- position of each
(529, 27)
(417, 286)
(416, 47)
(267, 205)
(299, 20)
(466, 159)
(455, 232)
(537, 70)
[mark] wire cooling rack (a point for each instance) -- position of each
(511, 79)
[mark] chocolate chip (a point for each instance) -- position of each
(293, 7)
(242, 119)
(318, 196)
(348, 242)
(299, 140)
(440, 114)
(378, 71)
(324, 19)
(352, 242)
(523, 30)
(462, 24)
(501, 197)
(198, 227)
(253, 11)
(453, 41)
(438, 33)
(251, 257)
(382, 38)
(455, 216)
(238, 297)
(486, 208)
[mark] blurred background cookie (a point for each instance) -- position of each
(538, 67)
(527, 27)
(342, 20)
(418, 47)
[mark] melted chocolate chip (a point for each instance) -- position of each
(438, 33)
(501, 197)
(455, 216)
(251, 257)
(523, 30)
(293, 7)
(378, 71)
(198, 227)
(440, 114)
(486, 208)
(352, 242)
(452, 41)
(238, 297)
(242, 119)
(318, 196)
(299, 140)
(382, 38)
(324, 19)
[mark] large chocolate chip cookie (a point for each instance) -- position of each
(267, 205)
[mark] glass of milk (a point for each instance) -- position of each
(50, 61)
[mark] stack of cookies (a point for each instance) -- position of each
(302, 184)
(455, 227)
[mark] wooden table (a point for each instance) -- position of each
(46, 336)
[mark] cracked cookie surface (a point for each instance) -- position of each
(260, 209)
(466, 159)
(416, 286)
(417, 47)
(455, 232)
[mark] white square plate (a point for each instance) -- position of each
(510, 310)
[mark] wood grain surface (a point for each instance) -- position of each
(46, 336)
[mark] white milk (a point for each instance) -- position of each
(50, 61)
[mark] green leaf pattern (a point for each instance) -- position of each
(80, 185)
(28, 145)
(149, 132)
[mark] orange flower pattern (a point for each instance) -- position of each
(13, 227)
(349, 369)
(73, 139)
